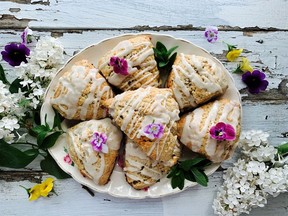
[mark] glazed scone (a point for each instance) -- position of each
(194, 129)
(194, 80)
(82, 139)
(140, 170)
(148, 116)
(142, 67)
(80, 92)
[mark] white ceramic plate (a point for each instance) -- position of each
(118, 186)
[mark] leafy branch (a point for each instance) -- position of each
(164, 58)
(192, 170)
(13, 157)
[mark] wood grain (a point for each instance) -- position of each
(258, 26)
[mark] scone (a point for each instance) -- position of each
(148, 116)
(194, 80)
(138, 55)
(195, 127)
(140, 170)
(93, 146)
(80, 92)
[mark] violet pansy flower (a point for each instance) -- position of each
(26, 35)
(154, 130)
(211, 34)
(98, 142)
(255, 81)
(15, 53)
(120, 66)
(222, 131)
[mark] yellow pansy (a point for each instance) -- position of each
(245, 65)
(34, 192)
(233, 54)
(46, 187)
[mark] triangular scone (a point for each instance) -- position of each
(94, 164)
(142, 67)
(140, 170)
(148, 116)
(80, 92)
(194, 80)
(194, 129)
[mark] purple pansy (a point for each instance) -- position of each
(154, 130)
(15, 53)
(255, 81)
(222, 131)
(98, 142)
(211, 34)
(120, 66)
(26, 35)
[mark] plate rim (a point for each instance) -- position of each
(146, 195)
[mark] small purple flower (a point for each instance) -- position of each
(99, 142)
(26, 35)
(211, 34)
(255, 81)
(15, 53)
(222, 131)
(120, 66)
(154, 130)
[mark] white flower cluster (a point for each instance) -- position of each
(252, 178)
(10, 112)
(45, 60)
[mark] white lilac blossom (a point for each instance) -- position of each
(259, 173)
(10, 112)
(44, 62)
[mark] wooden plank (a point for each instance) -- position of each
(121, 14)
(271, 55)
(74, 200)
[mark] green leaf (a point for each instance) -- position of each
(170, 51)
(200, 177)
(14, 158)
(57, 120)
(162, 64)
(50, 140)
(187, 164)
(177, 181)
(15, 86)
(171, 60)
(161, 48)
(3, 76)
(173, 171)
(283, 149)
(41, 128)
(189, 176)
(51, 167)
(40, 137)
(237, 70)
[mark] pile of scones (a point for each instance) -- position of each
(151, 123)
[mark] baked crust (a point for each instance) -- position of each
(193, 129)
(140, 170)
(195, 80)
(143, 71)
(95, 165)
(132, 111)
(80, 93)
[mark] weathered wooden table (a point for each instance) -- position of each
(258, 26)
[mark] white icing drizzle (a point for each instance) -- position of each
(81, 136)
(138, 164)
(72, 87)
(157, 112)
(123, 49)
(193, 137)
(201, 78)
